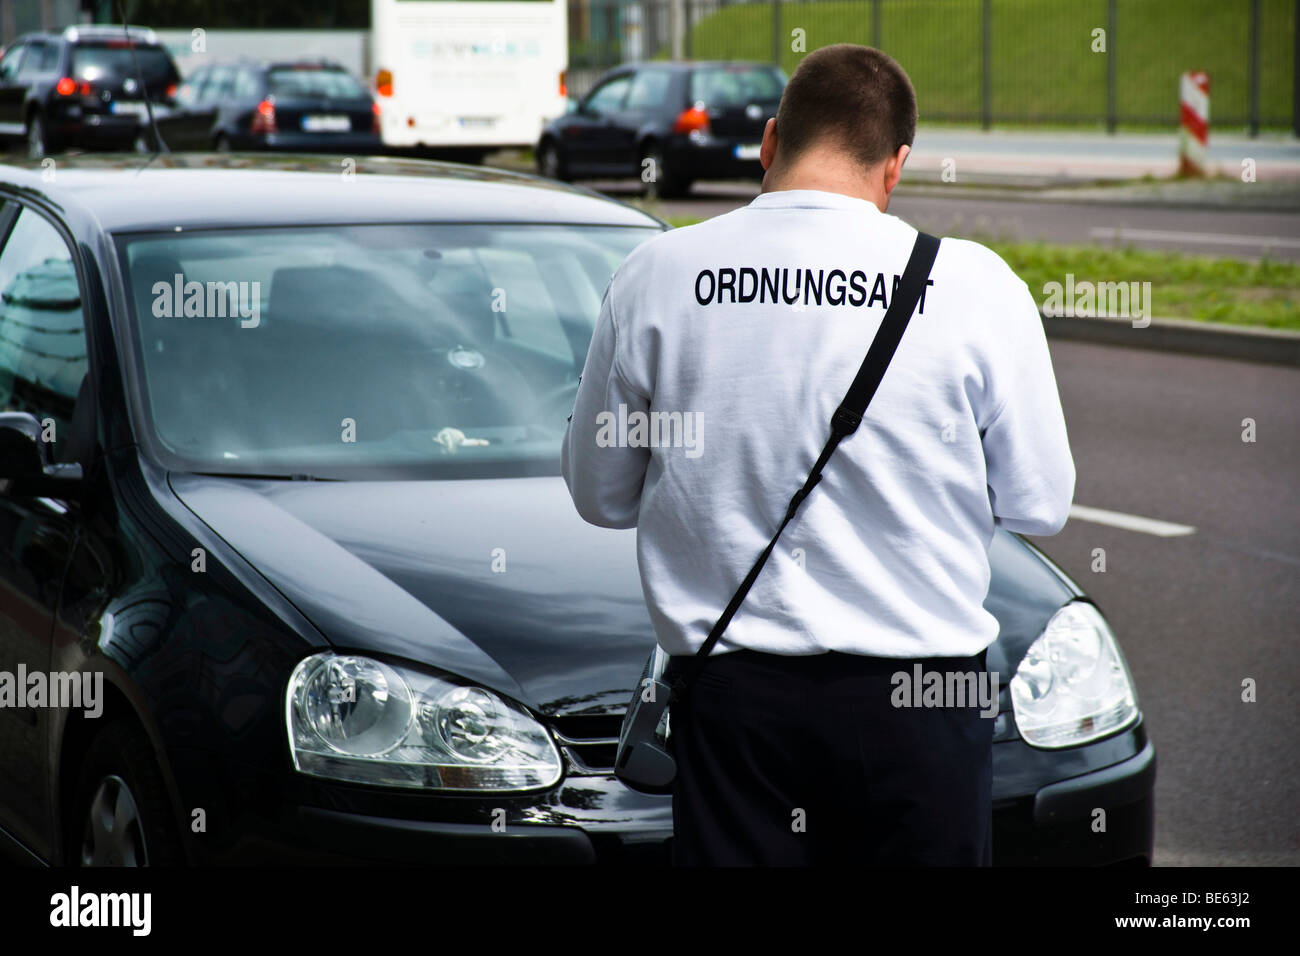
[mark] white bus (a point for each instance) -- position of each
(468, 74)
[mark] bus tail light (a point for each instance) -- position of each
(384, 82)
(564, 88)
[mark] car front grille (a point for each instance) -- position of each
(588, 742)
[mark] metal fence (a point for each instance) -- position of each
(1107, 63)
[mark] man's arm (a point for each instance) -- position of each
(1030, 469)
(604, 478)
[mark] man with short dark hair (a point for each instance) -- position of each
(855, 96)
(798, 742)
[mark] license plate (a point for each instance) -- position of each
(747, 152)
(326, 124)
(127, 108)
(477, 122)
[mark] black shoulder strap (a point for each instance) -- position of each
(844, 422)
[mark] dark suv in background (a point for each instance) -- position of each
(667, 123)
(82, 87)
(313, 106)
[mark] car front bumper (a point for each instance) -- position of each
(1102, 816)
(268, 818)
(1043, 814)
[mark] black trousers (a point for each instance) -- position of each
(795, 761)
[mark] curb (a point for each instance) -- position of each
(1271, 346)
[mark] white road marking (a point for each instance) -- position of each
(1161, 235)
(1117, 519)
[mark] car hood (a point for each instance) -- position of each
(499, 581)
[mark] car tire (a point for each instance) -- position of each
(120, 814)
(222, 143)
(666, 183)
(39, 144)
(550, 163)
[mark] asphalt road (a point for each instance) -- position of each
(1231, 232)
(1160, 436)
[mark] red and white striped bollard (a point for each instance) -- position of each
(1194, 125)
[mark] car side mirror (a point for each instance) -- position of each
(26, 465)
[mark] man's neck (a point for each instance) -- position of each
(828, 177)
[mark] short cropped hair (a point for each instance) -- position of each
(854, 97)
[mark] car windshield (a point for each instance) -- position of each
(373, 351)
(313, 83)
(722, 86)
(99, 62)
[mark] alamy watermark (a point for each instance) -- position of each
(74, 690)
(133, 911)
(640, 429)
(208, 300)
(1123, 300)
(923, 688)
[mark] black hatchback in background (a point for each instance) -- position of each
(314, 106)
(669, 124)
(82, 87)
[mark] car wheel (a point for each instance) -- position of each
(222, 143)
(550, 163)
(663, 181)
(120, 814)
(38, 140)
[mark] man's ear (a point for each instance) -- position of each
(767, 151)
(894, 168)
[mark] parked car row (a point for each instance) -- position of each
(92, 87)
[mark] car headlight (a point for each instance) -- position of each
(1073, 685)
(362, 720)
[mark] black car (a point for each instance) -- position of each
(291, 106)
(82, 87)
(669, 124)
(279, 466)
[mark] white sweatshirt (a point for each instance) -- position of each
(888, 556)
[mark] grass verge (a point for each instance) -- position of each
(1205, 288)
